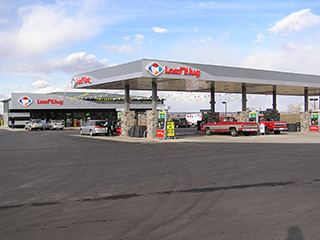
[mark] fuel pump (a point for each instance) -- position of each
(254, 116)
(204, 116)
(161, 125)
(161, 120)
(314, 123)
(314, 119)
(118, 123)
(164, 129)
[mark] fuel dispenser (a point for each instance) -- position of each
(254, 116)
(118, 123)
(204, 114)
(161, 125)
(314, 123)
(164, 128)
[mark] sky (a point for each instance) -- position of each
(44, 43)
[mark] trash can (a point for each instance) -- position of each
(292, 127)
(131, 131)
(139, 130)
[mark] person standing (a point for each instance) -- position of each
(109, 130)
(12, 122)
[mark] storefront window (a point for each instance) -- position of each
(73, 118)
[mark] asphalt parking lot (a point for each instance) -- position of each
(60, 185)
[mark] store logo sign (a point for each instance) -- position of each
(25, 101)
(77, 81)
(155, 69)
(182, 71)
(50, 101)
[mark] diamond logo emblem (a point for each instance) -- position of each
(155, 69)
(25, 101)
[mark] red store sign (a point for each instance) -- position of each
(50, 101)
(182, 70)
(77, 81)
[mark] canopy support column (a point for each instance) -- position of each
(274, 104)
(306, 99)
(127, 98)
(127, 117)
(154, 94)
(244, 97)
(305, 117)
(152, 116)
(212, 102)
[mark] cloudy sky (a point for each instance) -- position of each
(44, 43)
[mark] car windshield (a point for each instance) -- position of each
(37, 121)
(56, 121)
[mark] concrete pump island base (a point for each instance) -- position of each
(285, 138)
(158, 75)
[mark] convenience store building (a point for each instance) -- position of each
(74, 108)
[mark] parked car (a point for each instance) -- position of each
(94, 127)
(34, 124)
(54, 124)
(181, 122)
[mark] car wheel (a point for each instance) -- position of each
(81, 132)
(91, 133)
(233, 132)
(277, 132)
(208, 131)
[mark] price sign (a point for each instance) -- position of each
(170, 129)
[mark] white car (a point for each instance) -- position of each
(34, 124)
(94, 127)
(54, 124)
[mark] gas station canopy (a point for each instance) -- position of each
(181, 76)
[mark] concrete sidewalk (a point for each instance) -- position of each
(283, 138)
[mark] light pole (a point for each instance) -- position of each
(225, 108)
(314, 102)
